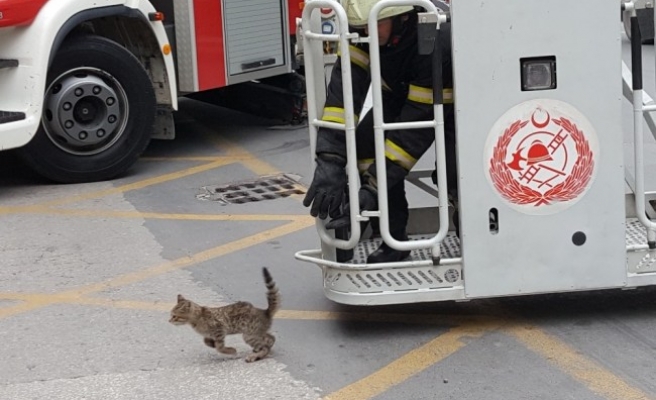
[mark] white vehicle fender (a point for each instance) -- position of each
(35, 45)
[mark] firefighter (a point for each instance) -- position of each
(407, 96)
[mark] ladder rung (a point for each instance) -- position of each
(649, 108)
(8, 63)
(11, 116)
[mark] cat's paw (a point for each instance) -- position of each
(228, 350)
(253, 357)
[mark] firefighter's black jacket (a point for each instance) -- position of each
(407, 86)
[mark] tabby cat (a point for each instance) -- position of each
(214, 323)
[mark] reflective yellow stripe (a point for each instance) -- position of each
(420, 94)
(358, 57)
(447, 95)
(424, 95)
(333, 114)
(395, 153)
(364, 164)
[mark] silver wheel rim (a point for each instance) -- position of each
(86, 111)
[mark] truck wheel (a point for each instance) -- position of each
(98, 114)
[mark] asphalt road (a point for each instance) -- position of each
(89, 272)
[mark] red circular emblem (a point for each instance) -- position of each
(541, 161)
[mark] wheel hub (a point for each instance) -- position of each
(86, 111)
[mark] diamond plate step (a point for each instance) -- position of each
(449, 248)
(636, 234)
(11, 116)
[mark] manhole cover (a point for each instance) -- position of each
(269, 187)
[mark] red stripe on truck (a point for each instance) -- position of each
(19, 12)
(295, 11)
(210, 49)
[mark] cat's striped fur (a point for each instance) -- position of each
(214, 323)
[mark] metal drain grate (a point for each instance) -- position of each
(269, 187)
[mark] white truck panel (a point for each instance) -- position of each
(534, 250)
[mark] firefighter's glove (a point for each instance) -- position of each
(327, 189)
(368, 199)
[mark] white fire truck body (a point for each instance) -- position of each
(84, 85)
(542, 204)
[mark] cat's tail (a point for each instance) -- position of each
(273, 297)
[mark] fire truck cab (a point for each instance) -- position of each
(85, 85)
(546, 201)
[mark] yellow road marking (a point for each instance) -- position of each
(236, 154)
(20, 308)
(145, 182)
(591, 374)
(594, 376)
(120, 189)
(165, 216)
(183, 158)
(429, 319)
(126, 304)
(240, 244)
(245, 157)
(411, 363)
(294, 315)
(41, 300)
(235, 157)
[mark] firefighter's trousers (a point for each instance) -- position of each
(397, 202)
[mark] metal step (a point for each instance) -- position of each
(8, 63)
(449, 248)
(11, 116)
(636, 234)
(418, 279)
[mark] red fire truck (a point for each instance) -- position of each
(85, 85)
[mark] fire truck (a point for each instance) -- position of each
(547, 201)
(85, 85)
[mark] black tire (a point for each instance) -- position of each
(98, 115)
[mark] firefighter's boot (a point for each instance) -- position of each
(385, 253)
(398, 219)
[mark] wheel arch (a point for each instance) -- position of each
(120, 23)
(98, 113)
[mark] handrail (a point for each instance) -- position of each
(314, 256)
(348, 127)
(379, 137)
(639, 109)
(379, 127)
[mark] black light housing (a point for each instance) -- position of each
(538, 73)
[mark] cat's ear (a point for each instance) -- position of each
(180, 298)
